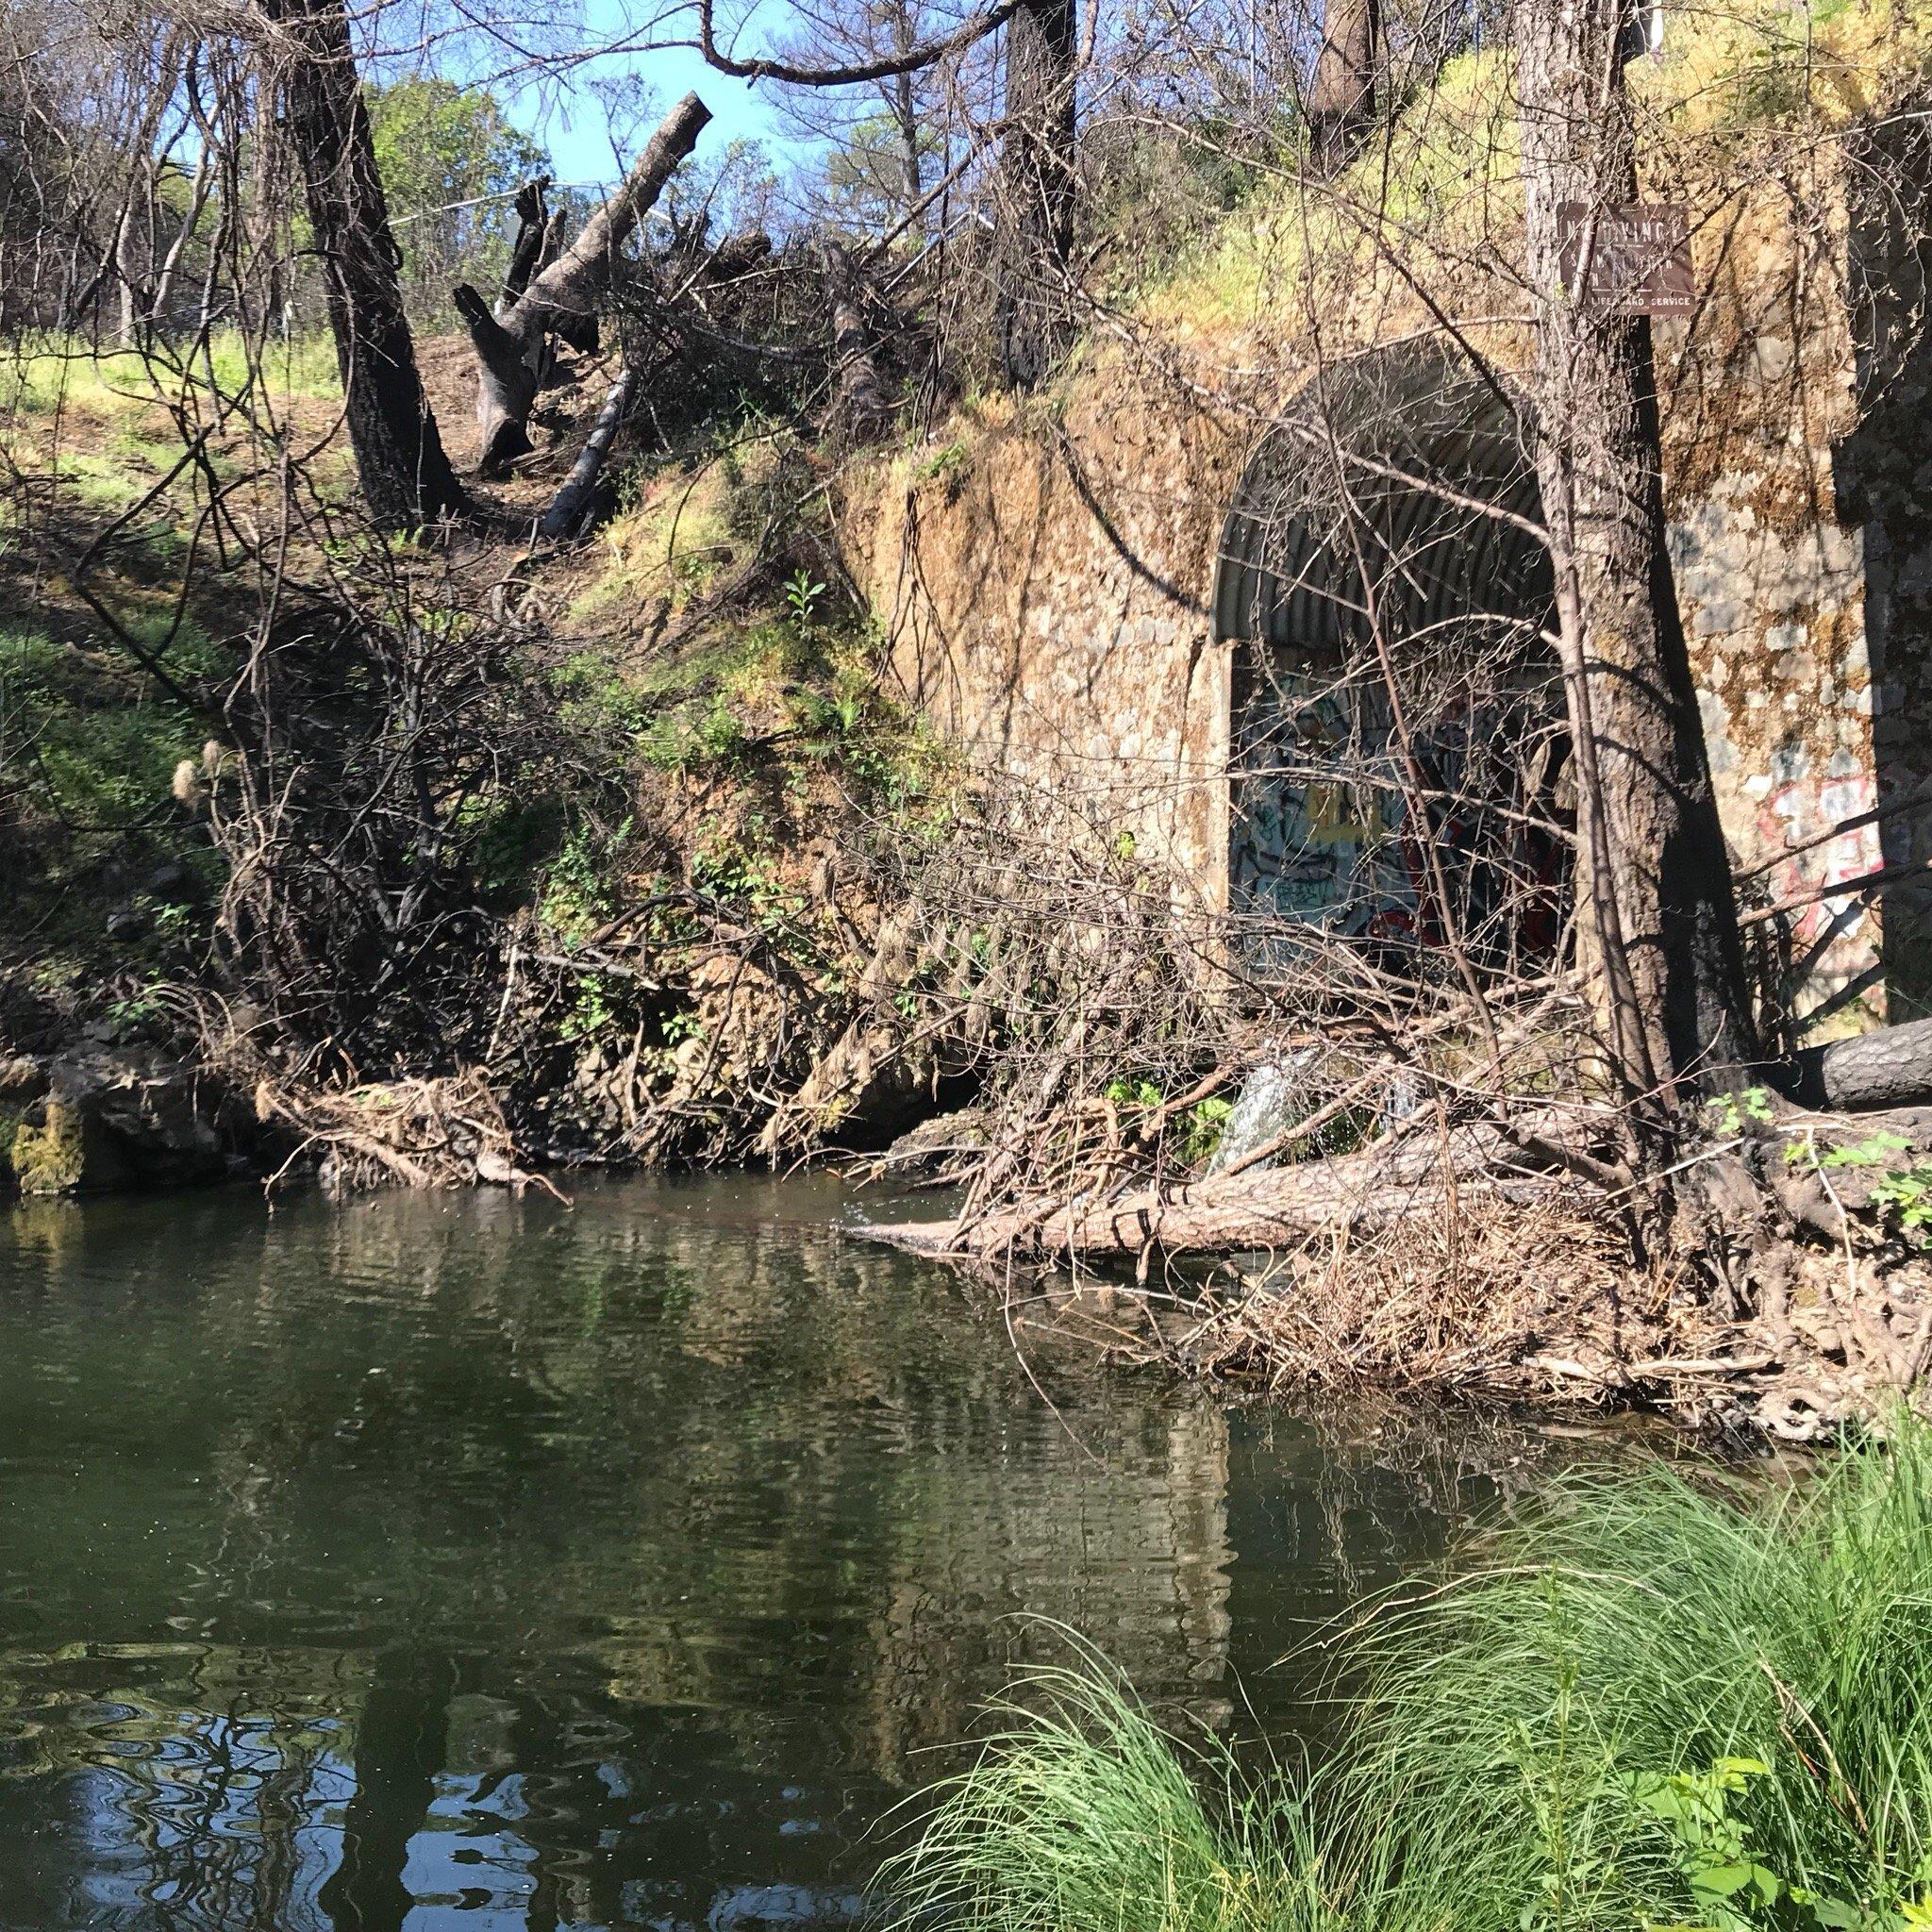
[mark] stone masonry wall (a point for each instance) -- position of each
(1044, 582)
(1045, 579)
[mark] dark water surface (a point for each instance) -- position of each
(476, 1564)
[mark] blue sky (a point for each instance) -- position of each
(572, 122)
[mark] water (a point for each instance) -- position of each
(465, 1563)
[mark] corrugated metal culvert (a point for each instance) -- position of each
(1399, 748)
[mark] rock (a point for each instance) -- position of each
(497, 1168)
(21, 1080)
(126, 923)
(63, 1149)
(109, 1117)
(246, 1018)
(933, 1139)
(167, 879)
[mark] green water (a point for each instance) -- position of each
(468, 1563)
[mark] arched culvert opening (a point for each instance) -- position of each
(1399, 750)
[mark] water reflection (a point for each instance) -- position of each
(472, 1563)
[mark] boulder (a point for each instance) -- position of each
(22, 1079)
(111, 1117)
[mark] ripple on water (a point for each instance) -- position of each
(475, 1564)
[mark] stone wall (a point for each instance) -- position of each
(1046, 576)
(1043, 578)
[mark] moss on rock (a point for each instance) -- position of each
(60, 1149)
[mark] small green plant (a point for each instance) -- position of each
(947, 460)
(577, 885)
(1731, 1114)
(1903, 1193)
(1710, 1840)
(592, 1012)
(1906, 1196)
(802, 594)
(1207, 1122)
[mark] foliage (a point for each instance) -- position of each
(578, 881)
(1084, 1816)
(1656, 1702)
(1731, 1113)
(86, 751)
(865, 172)
(1903, 1193)
(449, 162)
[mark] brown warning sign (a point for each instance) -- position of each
(1640, 257)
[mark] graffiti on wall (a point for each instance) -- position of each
(1829, 932)
(1332, 832)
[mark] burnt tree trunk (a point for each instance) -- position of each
(1654, 875)
(1035, 216)
(406, 479)
(573, 505)
(1342, 94)
(564, 292)
(1892, 1067)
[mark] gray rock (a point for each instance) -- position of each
(21, 1079)
(112, 1115)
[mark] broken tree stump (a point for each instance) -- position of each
(565, 288)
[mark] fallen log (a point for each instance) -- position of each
(565, 288)
(1892, 1067)
(1271, 1208)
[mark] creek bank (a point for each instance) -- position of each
(1494, 1260)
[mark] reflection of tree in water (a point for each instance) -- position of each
(195, 1798)
(607, 1567)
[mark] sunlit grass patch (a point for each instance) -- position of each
(1656, 1702)
(47, 376)
(89, 741)
(1443, 185)
(667, 545)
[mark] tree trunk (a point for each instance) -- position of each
(163, 293)
(906, 119)
(861, 402)
(1342, 95)
(406, 479)
(129, 288)
(564, 294)
(572, 505)
(1035, 216)
(1892, 1067)
(1654, 871)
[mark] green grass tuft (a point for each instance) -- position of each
(1658, 1702)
